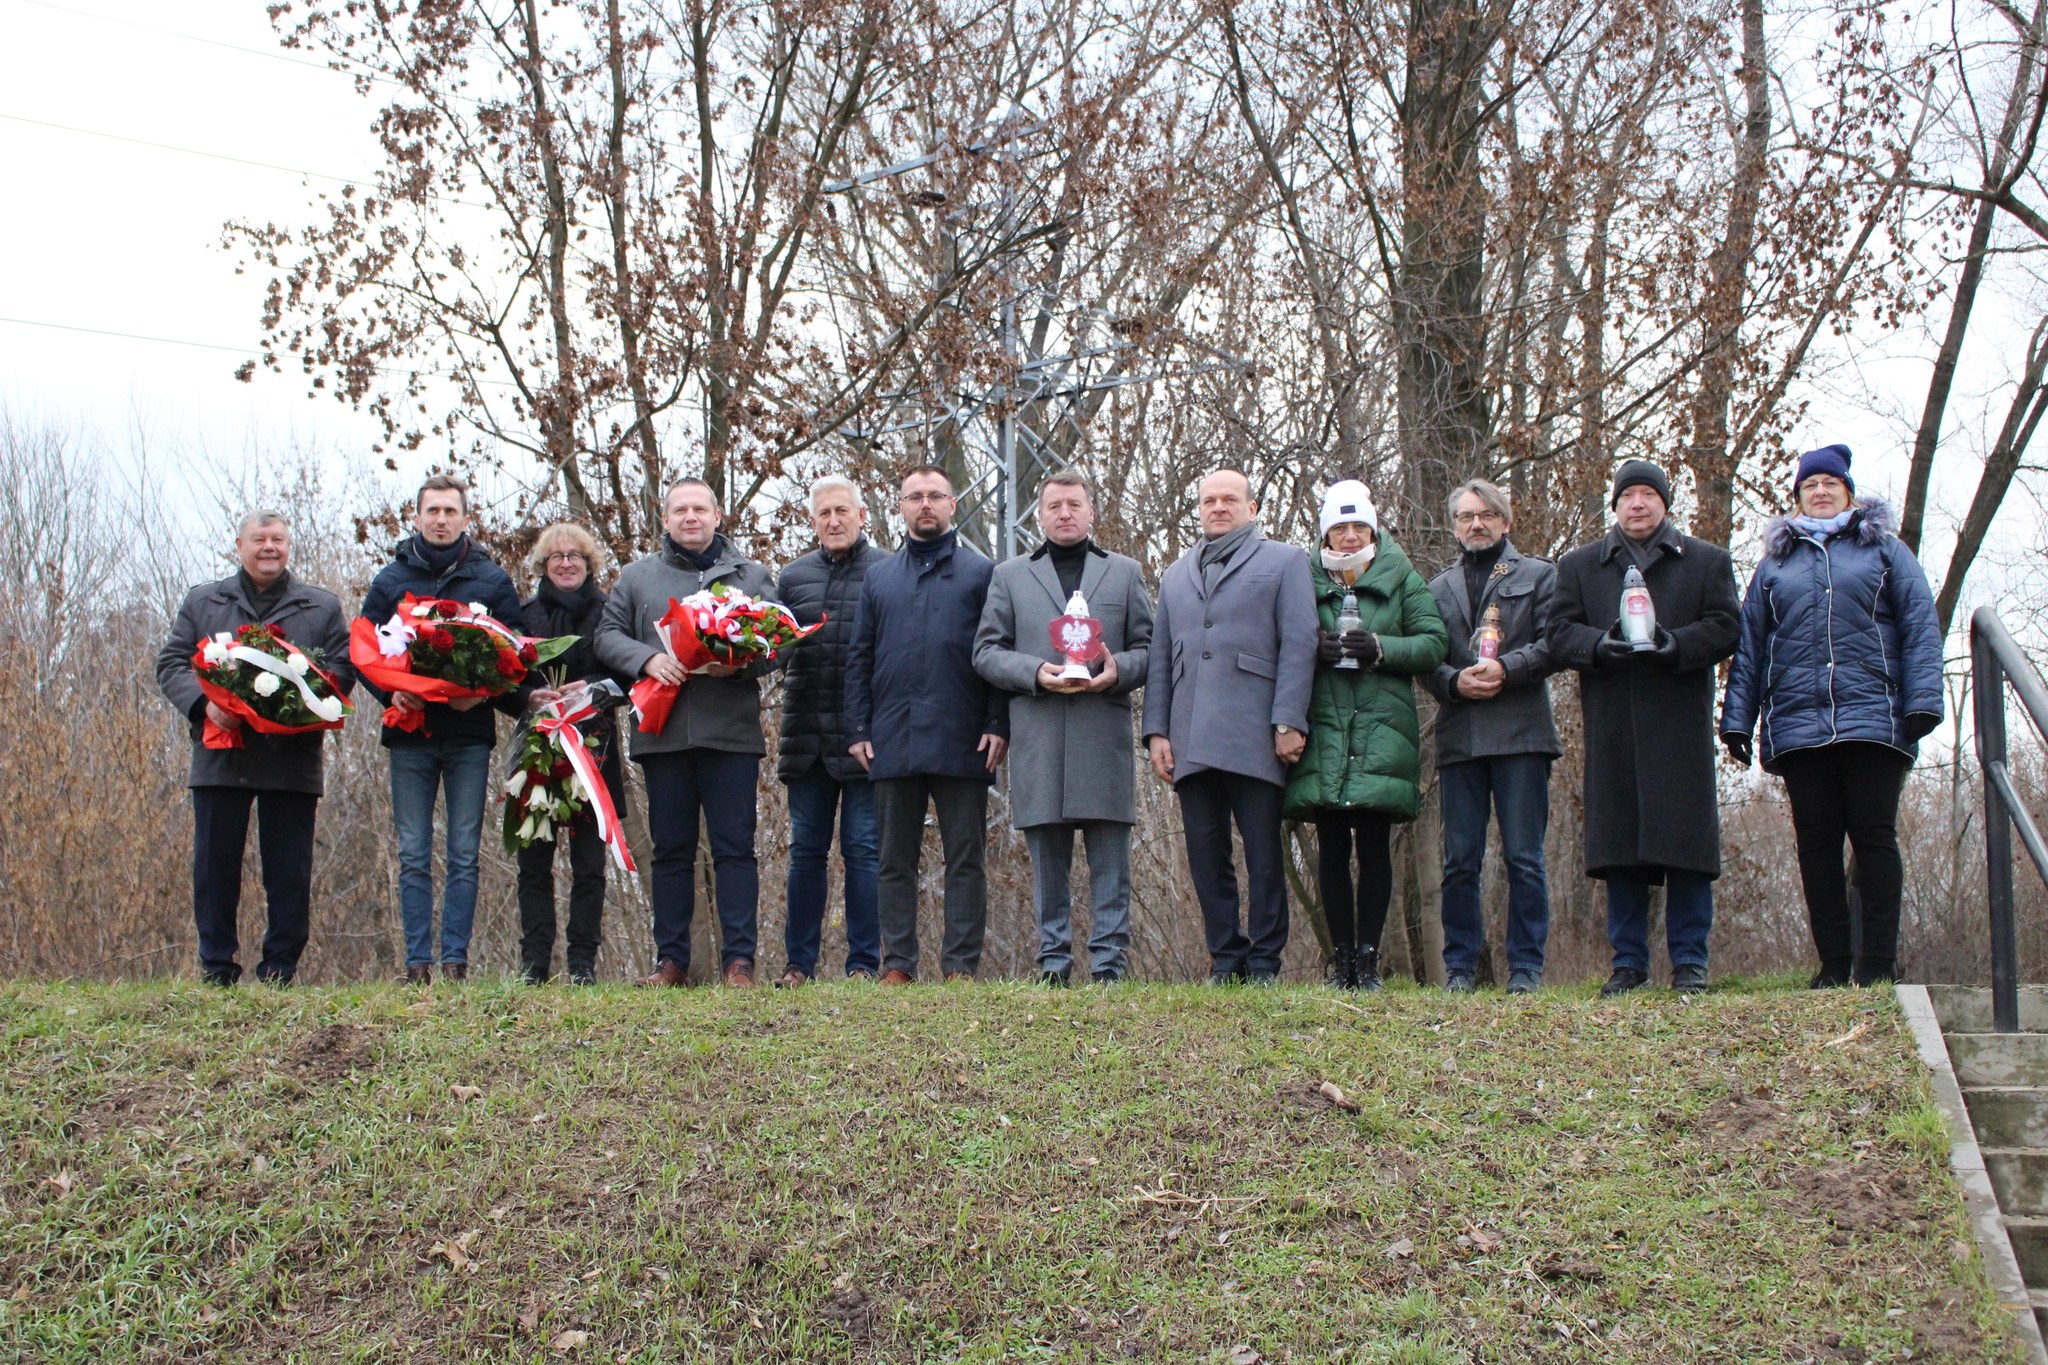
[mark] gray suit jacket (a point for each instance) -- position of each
(1070, 754)
(1517, 720)
(1227, 668)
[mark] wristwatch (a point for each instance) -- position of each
(1285, 730)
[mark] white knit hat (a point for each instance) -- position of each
(1348, 500)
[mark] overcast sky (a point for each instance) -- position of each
(117, 228)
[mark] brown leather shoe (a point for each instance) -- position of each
(792, 976)
(893, 977)
(419, 974)
(738, 972)
(667, 974)
(455, 971)
(951, 977)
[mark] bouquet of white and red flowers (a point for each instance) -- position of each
(556, 776)
(714, 626)
(273, 685)
(444, 651)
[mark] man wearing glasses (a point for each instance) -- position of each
(924, 725)
(1495, 740)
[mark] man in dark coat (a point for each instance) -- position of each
(280, 775)
(706, 759)
(451, 751)
(1650, 798)
(1226, 715)
(924, 725)
(1495, 739)
(1071, 768)
(826, 783)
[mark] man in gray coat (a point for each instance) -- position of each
(280, 776)
(1071, 766)
(706, 759)
(1495, 739)
(1226, 708)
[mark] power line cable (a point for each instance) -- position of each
(130, 336)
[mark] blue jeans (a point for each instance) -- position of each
(418, 773)
(815, 800)
(1109, 894)
(719, 786)
(1688, 918)
(1516, 787)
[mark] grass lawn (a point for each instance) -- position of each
(976, 1173)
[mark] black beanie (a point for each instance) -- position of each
(1633, 472)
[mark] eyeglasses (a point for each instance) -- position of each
(913, 499)
(1474, 518)
(565, 556)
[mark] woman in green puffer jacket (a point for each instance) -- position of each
(1362, 770)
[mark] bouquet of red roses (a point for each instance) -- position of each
(557, 775)
(444, 651)
(716, 626)
(273, 685)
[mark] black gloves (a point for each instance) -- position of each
(1920, 725)
(1328, 649)
(1666, 652)
(1738, 747)
(1363, 646)
(1613, 652)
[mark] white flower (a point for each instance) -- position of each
(214, 652)
(266, 684)
(327, 708)
(516, 783)
(297, 662)
(423, 610)
(479, 609)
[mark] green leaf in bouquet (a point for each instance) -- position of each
(545, 650)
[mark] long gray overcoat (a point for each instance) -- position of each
(1071, 754)
(1230, 665)
(1651, 798)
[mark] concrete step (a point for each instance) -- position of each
(2030, 1246)
(1967, 1009)
(2008, 1116)
(2005, 1059)
(2020, 1176)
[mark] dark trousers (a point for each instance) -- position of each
(1357, 918)
(586, 898)
(1517, 788)
(284, 841)
(1849, 789)
(962, 807)
(719, 786)
(1209, 802)
(1688, 917)
(816, 801)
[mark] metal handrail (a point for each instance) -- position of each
(1995, 660)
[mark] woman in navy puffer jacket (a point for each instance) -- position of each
(1839, 669)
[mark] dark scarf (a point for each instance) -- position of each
(689, 559)
(925, 551)
(1479, 564)
(1218, 550)
(439, 559)
(1067, 561)
(263, 601)
(1644, 553)
(566, 610)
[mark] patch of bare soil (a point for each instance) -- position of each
(1857, 1199)
(1944, 1330)
(331, 1052)
(142, 1105)
(1741, 1121)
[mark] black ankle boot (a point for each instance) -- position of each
(1367, 975)
(1343, 973)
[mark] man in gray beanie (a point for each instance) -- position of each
(1651, 814)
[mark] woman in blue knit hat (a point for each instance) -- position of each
(1839, 674)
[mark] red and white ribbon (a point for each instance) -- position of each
(557, 721)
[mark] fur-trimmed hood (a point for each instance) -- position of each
(1875, 521)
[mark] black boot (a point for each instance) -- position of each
(1872, 972)
(1366, 973)
(534, 973)
(1343, 973)
(1830, 975)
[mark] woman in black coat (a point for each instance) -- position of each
(565, 562)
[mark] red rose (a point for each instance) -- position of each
(528, 654)
(437, 638)
(509, 666)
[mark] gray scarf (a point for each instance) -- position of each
(1218, 550)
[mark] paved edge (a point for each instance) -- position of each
(1967, 1161)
